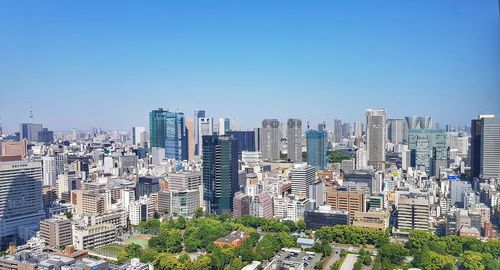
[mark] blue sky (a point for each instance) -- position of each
(107, 63)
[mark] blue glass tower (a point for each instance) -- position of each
(167, 130)
(317, 146)
(245, 139)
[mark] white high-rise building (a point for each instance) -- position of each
(224, 125)
(395, 130)
(138, 136)
(361, 159)
(357, 127)
(205, 127)
(139, 210)
(270, 139)
(376, 136)
(302, 176)
(294, 139)
(49, 171)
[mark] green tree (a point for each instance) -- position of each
(198, 213)
(169, 240)
(236, 264)
(68, 214)
(201, 263)
(472, 260)
(164, 261)
(393, 253)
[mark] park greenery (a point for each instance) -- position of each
(174, 239)
(337, 156)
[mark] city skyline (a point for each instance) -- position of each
(115, 62)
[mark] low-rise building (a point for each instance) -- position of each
(56, 232)
(91, 237)
(234, 239)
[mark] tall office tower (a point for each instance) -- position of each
(270, 139)
(157, 128)
(241, 205)
(415, 122)
(375, 136)
(489, 145)
(257, 133)
(49, 171)
(357, 129)
(21, 206)
(29, 131)
(346, 130)
(317, 146)
(245, 139)
(197, 115)
(361, 159)
(302, 176)
(337, 130)
(294, 138)
(205, 127)
(190, 139)
(395, 130)
(138, 136)
(176, 136)
(426, 145)
(45, 136)
(220, 172)
(224, 125)
(167, 130)
(413, 211)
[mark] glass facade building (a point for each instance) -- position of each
(220, 172)
(245, 139)
(167, 130)
(317, 146)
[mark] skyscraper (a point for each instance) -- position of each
(337, 130)
(489, 146)
(29, 131)
(224, 125)
(220, 172)
(294, 139)
(157, 128)
(21, 207)
(191, 138)
(205, 127)
(245, 139)
(375, 136)
(197, 115)
(317, 146)
(138, 136)
(395, 130)
(270, 139)
(357, 129)
(167, 130)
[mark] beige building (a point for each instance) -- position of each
(13, 148)
(372, 219)
(413, 211)
(346, 200)
(91, 237)
(191, 142)
(57, 232)
(88, 202)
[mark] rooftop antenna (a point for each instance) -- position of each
(31, 115)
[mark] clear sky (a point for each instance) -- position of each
(107, 63)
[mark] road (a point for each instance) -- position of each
(349, 262)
